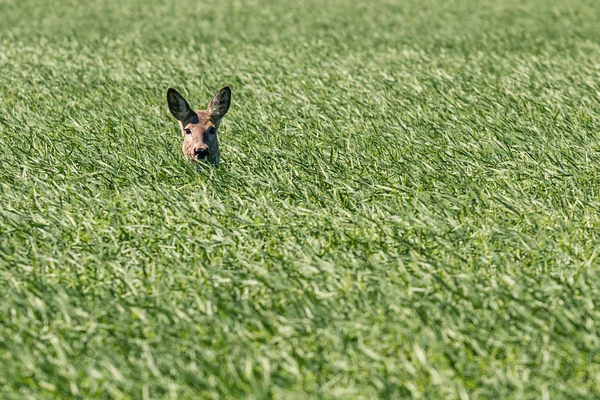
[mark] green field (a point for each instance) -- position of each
(408, 203)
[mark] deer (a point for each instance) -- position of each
(199, 127)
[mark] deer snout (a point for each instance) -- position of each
(201, 152)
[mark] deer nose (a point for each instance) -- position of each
(201, 152)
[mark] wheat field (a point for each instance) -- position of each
(407, 204)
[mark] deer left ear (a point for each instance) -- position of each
(220, 104)
(177, 105)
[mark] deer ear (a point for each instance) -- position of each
(177, 104)
(220, 103)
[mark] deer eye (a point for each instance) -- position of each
(187, 131)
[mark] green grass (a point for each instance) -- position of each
(408, 203)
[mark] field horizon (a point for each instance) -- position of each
(407, 204)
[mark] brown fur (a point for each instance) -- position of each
(200, 127)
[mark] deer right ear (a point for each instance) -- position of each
(220, 103)
(177, 104)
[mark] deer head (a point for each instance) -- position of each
(199, 127)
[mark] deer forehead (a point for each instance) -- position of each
(202, 121)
